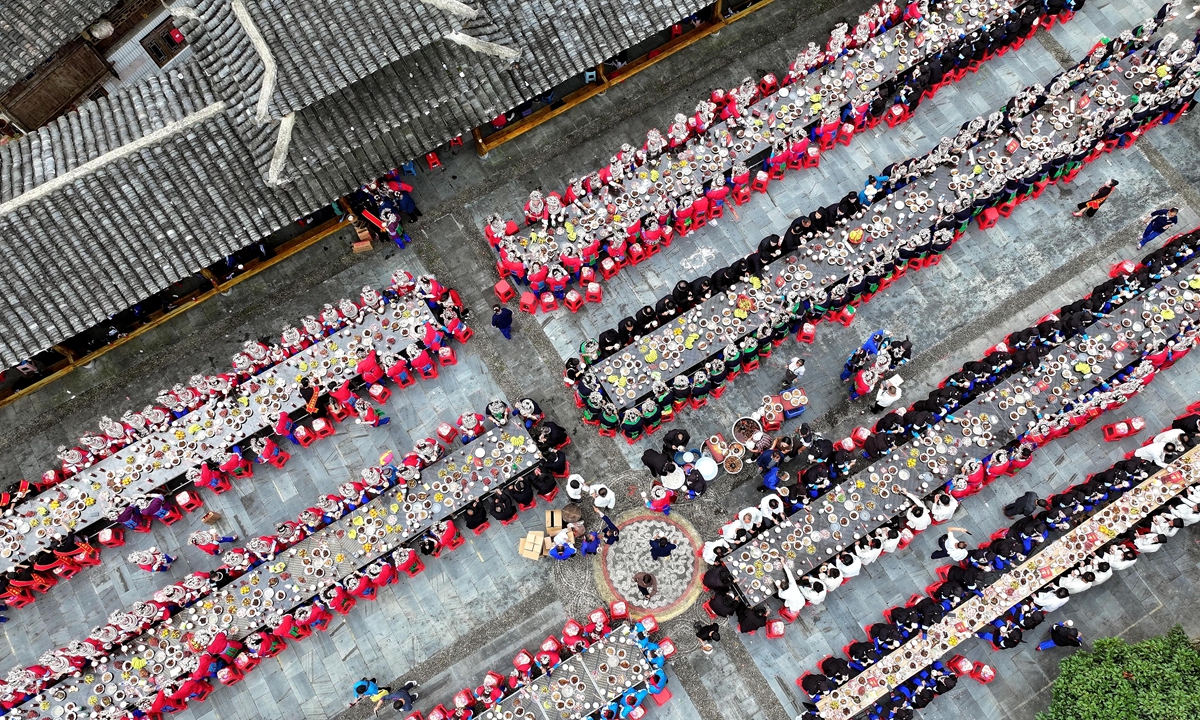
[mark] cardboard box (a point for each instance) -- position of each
(532, 546)
(554, 522)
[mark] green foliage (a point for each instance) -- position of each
(1156, 679)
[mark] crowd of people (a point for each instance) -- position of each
(984, 565)
(599, 230)
(1104, 131)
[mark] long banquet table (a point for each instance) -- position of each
(203, 434)
(1052, 560)
(890, 220)
(875, 495)
(260, 598)
(582, 684)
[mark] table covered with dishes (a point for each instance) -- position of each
(817, 98)
(976, 164)
(1051, 560)
(203, 434)
(582, 684)
(876, 494)
(260, 598)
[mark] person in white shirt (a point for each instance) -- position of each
(1148, 542)
(943, 507)
(1051, 598)
(712, 547)
(1155, 452)
(1077, 581)
(772, 508)
(603, 497)
(1192, 494)
(1187, 511)
(751, 518)
(869, 550)
(1165, 524)
(576, 487)
(917, 517)
(795, 371)
(734, 531)
(1119, 557)
(814, 591)
(951, 547)
(831, 576)
(888, 393)
(1174, 436)
(789, 591)
(1102, 570)
(849, 564)
(890, 538)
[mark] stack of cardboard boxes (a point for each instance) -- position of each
(539, 542)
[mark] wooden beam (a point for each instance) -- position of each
(288, 249)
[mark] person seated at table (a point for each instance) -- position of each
(627, 332)
(863, 654)
(718, 578)
(430, 543)
(695, 483)
(723, 279)
(724, 604)
(666, 309)
(868, 549)
(521, 491)
(646, 321)
(528, 411)
(849, 565)
(550, 435)
(815, 685)
(751, 619)
(885, 636)
(501, 507)
(684, 295)
(816, 481)
(971, 578)
(542, 480)
(555, 462)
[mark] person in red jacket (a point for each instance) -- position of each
(367, 414)
(368, 368)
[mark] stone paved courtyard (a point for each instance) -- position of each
(474, 608)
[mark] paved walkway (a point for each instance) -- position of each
(472, 609)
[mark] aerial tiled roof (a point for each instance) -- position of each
(115, 201)
(32, 30)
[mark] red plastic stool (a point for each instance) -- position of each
(379, 393)
(549, 302)
(662, 697)
(785, 614)
(189, 501)
(594, 293)
(504, 291)
(337, 411)
(304, 436)
(112, 537)
(479, 530)
(761, 182)
(808, 333)
(323, 428)
(988, 218)
(573, 300)
(173, 515)
(609, 268)
(741, 194)
(529, 302)
(983, 673)
(775, 629)
(667, 646)
(618, 610)
(433, 160)
(447, 356)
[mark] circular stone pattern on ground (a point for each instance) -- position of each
(678, 576)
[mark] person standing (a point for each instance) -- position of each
(401, 698)
(647, 584)
(1027, 504)
(889, 393)
(1092, 204)
(210, 541)
(502, 320)
(795, 371)
(950, 546)
(661, 547)
(1160, 220)
(707, 635)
